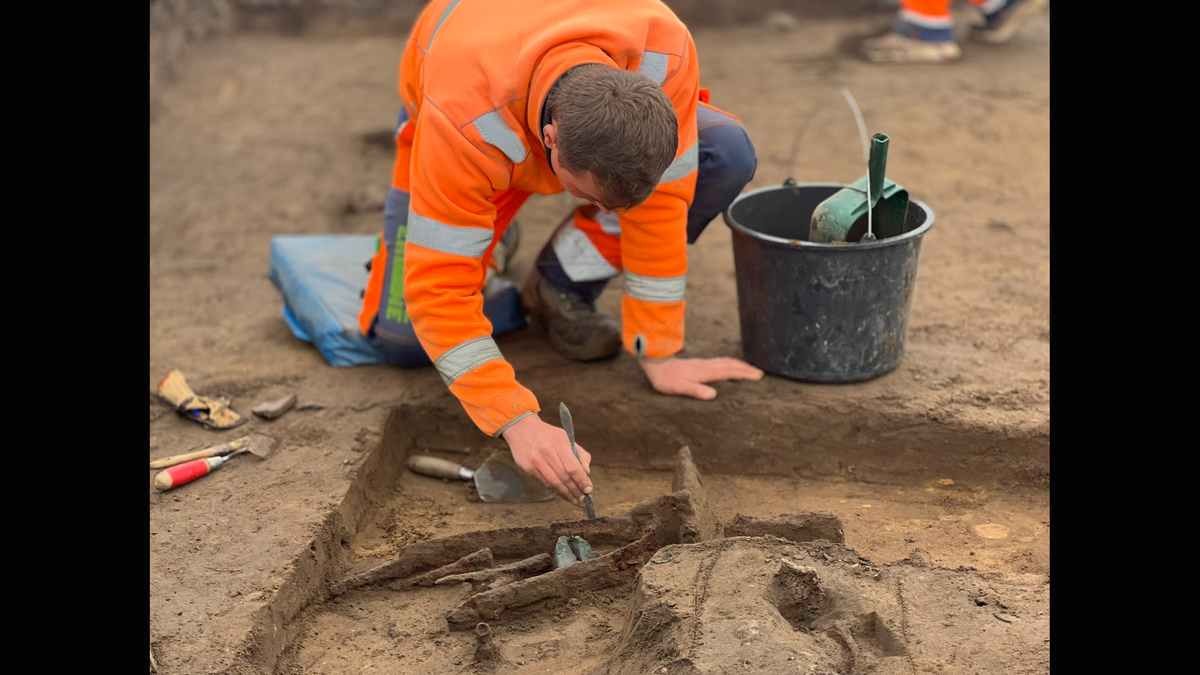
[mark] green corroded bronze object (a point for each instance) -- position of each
(582, 549)
(563, 555)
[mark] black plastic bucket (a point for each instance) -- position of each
(820, 312)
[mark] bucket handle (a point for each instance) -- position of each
(807, 122)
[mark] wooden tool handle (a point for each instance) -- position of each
(183, 473)
(215, 451)
(439, 468)
(188, 456)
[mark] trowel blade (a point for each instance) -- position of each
(500, 480)
(261, 445)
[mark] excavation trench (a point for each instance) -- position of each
(707, 561)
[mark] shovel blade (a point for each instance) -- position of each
(261, 445)
(500, 480)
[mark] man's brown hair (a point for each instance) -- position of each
(616, 124)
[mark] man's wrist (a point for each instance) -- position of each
(512, 423)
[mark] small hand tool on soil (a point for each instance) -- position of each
(497, 480)
(564, 416)
(258, 444)
(181, 474)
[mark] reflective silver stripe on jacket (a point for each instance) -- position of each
(467, 356)
(579, 257)
(500, 432)
(497, 134)
(683, 164)
(654, 66)
(610, 223)
(441, 20)
(471, 242)
(655, 289)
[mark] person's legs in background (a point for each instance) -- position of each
(923, 33)
(924, 29)
(585, 251)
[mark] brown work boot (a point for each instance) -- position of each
(577, 330)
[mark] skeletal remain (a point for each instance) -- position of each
(515, 542)
(481, 559)
(612, 569)
(415, 560)
(486, 580)
(681, 517)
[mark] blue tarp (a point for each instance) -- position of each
(322, 277)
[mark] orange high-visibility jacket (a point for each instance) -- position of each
(474, 76)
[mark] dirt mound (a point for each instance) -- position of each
(775, 606)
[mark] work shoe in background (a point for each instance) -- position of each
(1000, 26)
(894, 47)
(577, 330)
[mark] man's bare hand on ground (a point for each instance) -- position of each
(544, 451)
(690, 377)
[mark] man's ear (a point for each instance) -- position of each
(550, 136)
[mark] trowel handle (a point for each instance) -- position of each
(439, 468)
(187, 472)
(877, 166)
(214, 451)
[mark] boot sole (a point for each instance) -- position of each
(949, 55)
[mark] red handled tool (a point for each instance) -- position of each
(181, 474)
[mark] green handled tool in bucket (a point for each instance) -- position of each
(846, 217)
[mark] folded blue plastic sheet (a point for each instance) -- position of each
(322, 277)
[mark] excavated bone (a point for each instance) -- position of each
(529, 595)
(515, 542)
(481, 559)
(681, 517)
(500, 576)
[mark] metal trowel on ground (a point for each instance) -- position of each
(204, 462)
(497, 480)
(260, 445)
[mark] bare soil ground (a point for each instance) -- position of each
(263, 135)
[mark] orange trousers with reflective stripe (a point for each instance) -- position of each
(934, 9)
